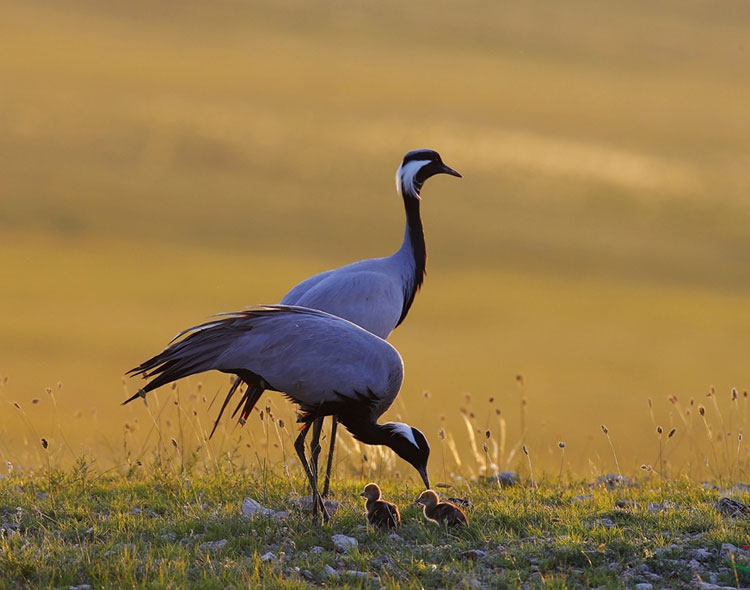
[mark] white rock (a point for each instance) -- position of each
(317, 550)
(707, 586)
(251, 507)
(395, 537)
(644, 586)
(344, 544)
(269, 556)
(728, 549)
(329, 572)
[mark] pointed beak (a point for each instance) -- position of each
(363, 495)
(452, 172)
(425, 479)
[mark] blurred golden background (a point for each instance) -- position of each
(162, 161)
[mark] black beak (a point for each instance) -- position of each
(363, 495)
(425, 479)
(448, 170)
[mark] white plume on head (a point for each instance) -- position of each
(406, 176)
(404, 430)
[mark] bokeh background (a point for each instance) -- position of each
(162, 161)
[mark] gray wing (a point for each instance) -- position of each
(367, 293)
(312, 356)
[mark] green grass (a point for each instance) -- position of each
(144, 529)
(163, 162)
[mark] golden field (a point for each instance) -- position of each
(160, 162)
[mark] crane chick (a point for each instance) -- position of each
(380, 514)
(441, 512)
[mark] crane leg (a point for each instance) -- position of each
(329, 465)
(315, 447)
(299, 446)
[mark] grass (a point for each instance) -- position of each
(148, 528)
(161, 163)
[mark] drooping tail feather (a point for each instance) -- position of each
(255, 388)
(195, 353)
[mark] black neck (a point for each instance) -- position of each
(418, 247)
(367, 431)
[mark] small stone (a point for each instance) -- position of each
(8, 529)
(280, 515)
(213, 545)
(329, 572)
(506, 478)
(269, 556)
(169, 537)
(135, 511)
(42, 496)
(251, 507)
(305, 504)
(317, 550)
(732, 508)
(308, 575)
(607, 523)
(728, 550)
(702, 554)
(583, 498)
(80, 587)
(644, 586)
(381, 561)
(344, 544)
(473, 554)
(613, 480)
(471, 582)
(396, 538)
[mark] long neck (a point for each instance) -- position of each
(367, 431)
(413, 251)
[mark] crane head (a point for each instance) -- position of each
(418, 166)
(411, 445)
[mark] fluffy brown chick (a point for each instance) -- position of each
(380, 514)
(441, 512)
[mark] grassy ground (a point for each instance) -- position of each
(161, 162)
(162, 528)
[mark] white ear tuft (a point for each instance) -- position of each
(406, 176)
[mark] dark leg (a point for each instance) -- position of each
(315, 447)
(326, 484)
(299, 446)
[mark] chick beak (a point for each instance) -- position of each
(363, 495)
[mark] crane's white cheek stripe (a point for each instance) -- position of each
(406, 173)
(405, 431)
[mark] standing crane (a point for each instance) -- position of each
(375, 294)
(323, 363)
